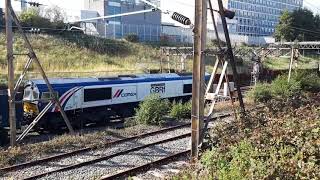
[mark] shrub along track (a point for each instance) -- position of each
(88, 156)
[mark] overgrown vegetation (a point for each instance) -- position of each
(268, 144)
(76, 54)
(152, 110)
(48, 18)
(181, 110)
(309, 81)
(278, 141)
(282, 90)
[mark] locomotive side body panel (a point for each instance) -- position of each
(125, 93)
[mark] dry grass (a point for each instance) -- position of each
(59, 144)
(62, 55)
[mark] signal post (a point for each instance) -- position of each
(11, 96)
(197, 113)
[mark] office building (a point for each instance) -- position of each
(146, 25)
(259, 17)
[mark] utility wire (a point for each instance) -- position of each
(306, 30)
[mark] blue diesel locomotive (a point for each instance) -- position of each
(96, 100)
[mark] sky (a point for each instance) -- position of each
(185, 7)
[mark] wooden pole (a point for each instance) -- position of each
(11, 97)
(197, 116)
(291, 63)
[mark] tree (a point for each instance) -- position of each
(283, 29)
(32, 18)
(300, 24)
(303, 22)
(2, 23)
(56, 16)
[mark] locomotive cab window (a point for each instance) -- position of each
(48, 95)
(187, 88)
(98, 94)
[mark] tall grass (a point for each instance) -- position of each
(78, 54)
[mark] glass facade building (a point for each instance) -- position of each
(145, 25)
(260, 17)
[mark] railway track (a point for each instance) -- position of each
(161, 143)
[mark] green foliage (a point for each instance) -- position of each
(32, 18)
(293, 25)
(260, 93)
(132, 38)
(2, 23)
(265, 145)
(283, 29)
(283, 89)
(56, 16)
(279, 89)
(181, 110)
(237, 163)
(152, 110)
(52, 18)
(309, 81)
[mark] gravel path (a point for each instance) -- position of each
(164, 171)
(23, 173)
(113, 165)
(123, 162)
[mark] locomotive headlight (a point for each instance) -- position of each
(30, 99)
(29, 107)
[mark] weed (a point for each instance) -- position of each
(152, 110)
(309, 81)
(266, 145)
(283, 89)
(181, 110)
(260, 93)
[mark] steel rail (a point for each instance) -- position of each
(67, 154)
(103, 158)
(146, 166)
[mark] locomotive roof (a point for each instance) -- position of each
(127, 78)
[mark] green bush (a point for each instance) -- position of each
(152, 110)
(283, 89)
(132, 38)
(279, 89)
(32, 18)
(239, 162)
(261, 93)
(309, 81)
(181, 110)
